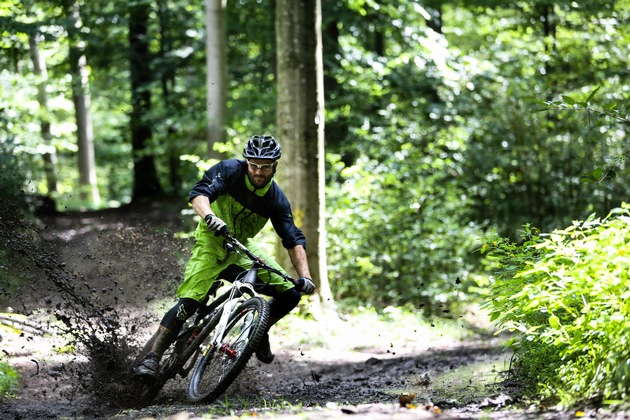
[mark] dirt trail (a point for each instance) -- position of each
(127, 260)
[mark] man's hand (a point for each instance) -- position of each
(305, 285)
(216, 225)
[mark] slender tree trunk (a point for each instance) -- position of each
(146, 184)
(216, 75)
(50, 155)
(300, 121)
(168, 81)
(81, 97)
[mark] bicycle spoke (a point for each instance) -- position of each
(223, 361)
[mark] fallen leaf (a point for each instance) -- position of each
(406, 398)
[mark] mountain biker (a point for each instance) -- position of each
(240, 196)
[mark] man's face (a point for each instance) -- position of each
(260, 171)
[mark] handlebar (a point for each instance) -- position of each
(239, 247)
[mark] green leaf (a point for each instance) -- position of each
(592, 94)
(568, 100)
(554, 322)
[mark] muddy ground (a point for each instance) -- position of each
(122, 266)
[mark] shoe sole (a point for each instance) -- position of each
(145, 373)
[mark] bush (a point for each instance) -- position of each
(8, 380)
(394, 241)
(566, 297)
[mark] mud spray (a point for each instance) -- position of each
(92, 308)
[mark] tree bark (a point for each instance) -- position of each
(81, 98)
(300, 121)
(168, 83)
(216, 76)
(146, 183)
(50, 153)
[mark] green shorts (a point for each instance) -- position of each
(209, 258)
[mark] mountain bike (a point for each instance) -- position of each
(220, 338)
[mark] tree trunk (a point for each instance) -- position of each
(300, 121)
(168, 83)
(81, 97)
(216, 75)
(146, 184)
(50, 153)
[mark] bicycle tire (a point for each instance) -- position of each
(215, 371)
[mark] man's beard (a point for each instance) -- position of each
(259, 181)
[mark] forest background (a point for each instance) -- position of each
(445, 122)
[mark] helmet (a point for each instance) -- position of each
(262, 147)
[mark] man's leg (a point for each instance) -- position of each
(169, 327)
(207, 260)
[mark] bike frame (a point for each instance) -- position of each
(236, 290)
(211, 322)
(226, 310)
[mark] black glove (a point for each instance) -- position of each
(216, 225)
(305, 285)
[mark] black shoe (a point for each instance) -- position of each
(150, 366)
(263, 353)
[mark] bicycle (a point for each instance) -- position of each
(222, 336)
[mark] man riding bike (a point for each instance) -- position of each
(240, 196)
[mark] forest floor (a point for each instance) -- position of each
(120, 269)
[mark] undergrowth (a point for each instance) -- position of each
(565, 295)
(9, 380)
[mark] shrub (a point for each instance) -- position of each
(566, 297)
(8, 379)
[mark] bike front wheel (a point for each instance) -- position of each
(223, 361)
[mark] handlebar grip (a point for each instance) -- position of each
(224, 231)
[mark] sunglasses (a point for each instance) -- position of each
(264, 168)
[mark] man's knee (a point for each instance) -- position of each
(178, 314)
(284, 302)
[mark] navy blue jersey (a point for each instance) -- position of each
(244, 208)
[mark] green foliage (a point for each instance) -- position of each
(522, 166)
(610, 113)
(565, 296)
(399, 221)
(9, 379)
(397, 239)
(431, 137)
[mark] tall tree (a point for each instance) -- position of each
(300, 122)
(216, 76)
(50, 155)
(81, 99)
(146, 183)
(168, 82)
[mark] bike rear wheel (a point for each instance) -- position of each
(221, 363)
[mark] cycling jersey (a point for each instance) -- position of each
(245, 210)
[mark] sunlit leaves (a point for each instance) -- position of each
(564, 295)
